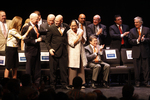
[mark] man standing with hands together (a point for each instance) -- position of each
(139, 38)
(56, 42)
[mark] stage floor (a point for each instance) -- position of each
(116, 91)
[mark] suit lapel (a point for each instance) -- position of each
(90, 48)
(117, 29)
(142, 32)
(136, 32)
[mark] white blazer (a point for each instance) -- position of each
(76, 53)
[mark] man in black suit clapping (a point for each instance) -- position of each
(139, 38)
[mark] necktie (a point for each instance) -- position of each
(4, 30)
(122, 41)
(139, 31)
(60, 31)
(36, 30)
(82, 27)
(96, 59)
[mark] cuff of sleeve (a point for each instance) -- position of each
(121, 35)
(137, 41)
(35, 40)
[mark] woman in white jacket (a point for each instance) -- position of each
(76, 53)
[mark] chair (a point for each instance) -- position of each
(127, 61)
(116, 62)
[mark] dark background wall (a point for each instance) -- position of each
(71, 9)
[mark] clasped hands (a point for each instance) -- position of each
(142, 39)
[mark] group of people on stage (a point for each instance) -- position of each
(75, 46)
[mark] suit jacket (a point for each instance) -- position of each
(43, 31)
(75, 52)
(55, 41)
(143, 47)
(102, 36)
(3, 40)
(31, 47)
(90, 55)
(87, 29)
(116, 38)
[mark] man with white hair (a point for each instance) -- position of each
(98, 29)
(32, 49)
(139, 38)
(56, 42)
(44, 29)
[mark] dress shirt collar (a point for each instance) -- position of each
(140, 28)
(92, 46)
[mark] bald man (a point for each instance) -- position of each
(4, 26)
(83, 25)
(56, 42)
(32, 49)
(44, 29)
(98, 29)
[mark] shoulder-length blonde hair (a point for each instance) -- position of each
(16, 23)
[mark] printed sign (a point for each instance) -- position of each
(110, 54)
(44, 56)
(22, 57)
(2, 60)
(129, 54)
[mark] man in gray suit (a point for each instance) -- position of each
(93, 52)
(98, 29)
(44, 28)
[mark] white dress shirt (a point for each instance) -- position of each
(84, 31)
(1, 26)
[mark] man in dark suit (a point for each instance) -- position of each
(119, 34)
(32, 49)
(93, 52)
(98, 29)
(83, 25)
(139, 38)
(56, 42)
(44, 29)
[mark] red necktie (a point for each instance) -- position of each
(122, 41)
(36, 30)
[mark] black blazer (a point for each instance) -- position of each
(115, 36)
(55, 41)
(143, 47)
(102, 36)
(31, 47)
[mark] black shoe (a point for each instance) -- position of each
(105, 85)
(65, 87)
(137, 84)
(93, 86)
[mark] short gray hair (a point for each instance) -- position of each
(139, 18)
